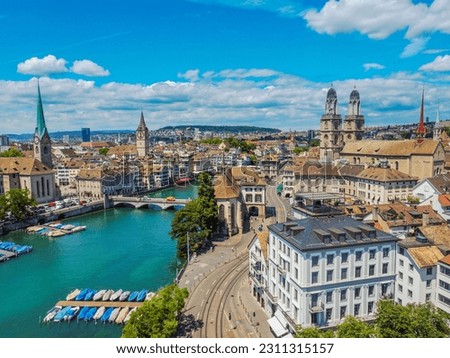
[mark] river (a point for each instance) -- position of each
(121, 248)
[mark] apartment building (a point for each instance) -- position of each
(322, 269)
(443, 284)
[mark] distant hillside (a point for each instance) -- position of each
(221, 129)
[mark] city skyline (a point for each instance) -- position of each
(215, 62)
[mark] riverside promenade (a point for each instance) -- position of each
(248, 320)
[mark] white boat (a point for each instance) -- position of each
(78, 228)
(149, 296)
(124, 295)
(51, 314)
(122, 314)
(107, 295)
(71, 296)
(56, 233)
(127, 318)
(68, 227)
(99, 313)
(114, 315)
(115, 296)
(98, 296)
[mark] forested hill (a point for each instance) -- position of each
(228, 129)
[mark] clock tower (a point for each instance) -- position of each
(42, 145)
(330, 129)
(353, 121)
(142, 136)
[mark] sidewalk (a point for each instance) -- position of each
(248, 318)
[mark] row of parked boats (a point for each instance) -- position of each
(55, 229)
(89, 294)
(14, 248)
(118, 315)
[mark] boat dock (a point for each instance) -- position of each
(119, 304)
(6, 255)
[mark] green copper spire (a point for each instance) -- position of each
(40, 120)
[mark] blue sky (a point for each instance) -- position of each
(252, 62)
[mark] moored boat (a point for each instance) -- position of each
(90, 314)
(124, 295)
(115, 296)
(99, 313)
(122, 314)
(71, 296)
(107, 295)
(133, 296)
(90, 295)
(82, 294)
(71, 313)
(128, 316)
(83, 312)
(107, 314)
(141, 295)
(51, 314)
(78, 228)
(114, 315)
(98, 296)
(149, 296)
(60, 315)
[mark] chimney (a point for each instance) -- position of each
(375, 210)
(425, 218)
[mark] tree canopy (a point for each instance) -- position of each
(198, 219)
(392, 321)
(158, 317)
(17, 203)
(10, 153)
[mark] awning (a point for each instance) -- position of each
(278, 328)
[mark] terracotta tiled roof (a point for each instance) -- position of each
(437, 234)
(23, 166)
(384, 175)
(223, 189)
(444, 199)
(390, 147)
(263, 238)
(123, 150)
(425, 256)
(445, 260)
(90, 174)
(247, 176)
(96, 144)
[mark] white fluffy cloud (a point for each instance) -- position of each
(42, 66)
(440, 64)
(373, 66)
(88, 68)
(414, 47)
(281, 101)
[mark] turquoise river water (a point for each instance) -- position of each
(121, 248)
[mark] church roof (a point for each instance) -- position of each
(142, 126)
(23, 166)
(390, 147)
(40, 120)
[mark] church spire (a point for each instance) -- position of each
(40, 119)
(421, 127)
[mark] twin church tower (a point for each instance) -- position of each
(333, 134)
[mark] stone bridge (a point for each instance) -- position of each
(141, 202)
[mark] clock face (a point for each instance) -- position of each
(36, 140)
(140, 135)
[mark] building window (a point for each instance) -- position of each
(356, 309)
(400, 288)
(401, 262)
(371, 270)
(258, 198)
(428, 283)
(314, 277)
(410, 280)
(296, 273)
(358, 271)
(409, 293)
(329, 296)
(328, 314)
(315, 261)
(357, 292)
(401, 251)
(296, 258)
(343, 311)
(344, 274)
(385, 252)
(445, 271)
(344, 257)
(358, 255)
(427, 297)
(248, 197)
(372, 254)
(370, 307)
(400, 302)
(371, 290)
(444, 285)
(385, 268)
(411, 267)
(429, 271)
(330, 259)
(329, 275)
(384, 288)
(400, 275)
(343, 294)
(444, 299)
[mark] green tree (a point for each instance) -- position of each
(411, 321)
(208, 203)
(313, 332)
(11, 152)
(298, 150)
(103, 151)
(18, 203)
(352, 327)
(159, 317)
(314, 142)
